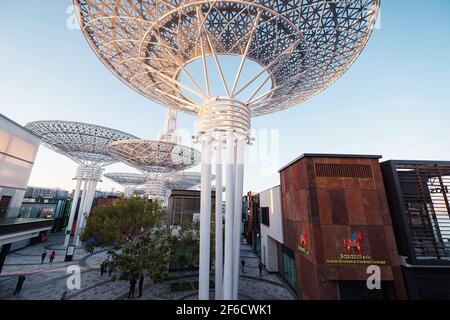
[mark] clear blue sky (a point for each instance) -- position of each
(394, 101)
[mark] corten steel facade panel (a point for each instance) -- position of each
(326, 210)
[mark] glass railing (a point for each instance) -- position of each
(29, 213)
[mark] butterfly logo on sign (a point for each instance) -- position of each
(354, 243)
(303, 246)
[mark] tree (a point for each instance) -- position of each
(139, 240)
(184, 245)
(120, 223)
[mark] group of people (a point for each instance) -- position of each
(51, 256)
(106, 266)
(133, 286)
(21, 279)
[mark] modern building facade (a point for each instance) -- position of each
(18, 150)
(263, 226)
(336, 222)
(54, 193)
(184, 205)
(419, 201)
(271, 228)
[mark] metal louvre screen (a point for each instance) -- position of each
(425, 196)
(340, 170)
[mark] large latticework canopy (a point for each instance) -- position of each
(84, 143)
(296, 48)
(127, 179)
(154, 157)
(185, 180)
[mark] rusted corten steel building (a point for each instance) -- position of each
(336, 222)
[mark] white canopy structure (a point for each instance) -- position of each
(158, 160)
(130, 181)
(86, 144)
(226, 61)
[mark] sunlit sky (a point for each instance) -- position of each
(394, 101)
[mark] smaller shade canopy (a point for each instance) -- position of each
(155, 157)
(82, 142)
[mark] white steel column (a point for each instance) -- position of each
(239, 180)
(91, 199)
(73, 209)
(80, 211)
(219, 224)
(229, 217)
(205, 219)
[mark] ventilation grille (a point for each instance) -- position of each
(339, 170)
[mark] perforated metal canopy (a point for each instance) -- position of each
(154, 157)
(84, 143)
(300, 46)
(185, 180)
(126, 179)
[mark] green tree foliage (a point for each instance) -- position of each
(121, 223)
(139, 240)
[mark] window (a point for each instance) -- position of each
(265, 217)
(289, 272)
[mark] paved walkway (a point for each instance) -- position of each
(48, 281)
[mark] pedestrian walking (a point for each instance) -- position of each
(43, 255)
(19, 285)
(111, 268)
(103, 268)
(260, 266)
(132, 287)
(243, 265)
(64, 295)
(141, 284)
(52, 256)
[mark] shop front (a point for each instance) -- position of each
(338, 230)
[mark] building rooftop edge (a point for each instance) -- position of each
(329, 155)
(19, 125)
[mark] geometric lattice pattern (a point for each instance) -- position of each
(84, 143)
(127, 179)
(185, 180)
(154, 157)
(302, 46)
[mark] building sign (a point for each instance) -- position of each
(352, 252)
(303, 246)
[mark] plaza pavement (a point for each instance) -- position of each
(48, 281)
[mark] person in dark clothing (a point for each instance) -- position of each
(141, 284)
(43, 255)
(132, 287)
(102, 268)
(64, 295)
(260, 266)
(111, 268)
(19, 285)
(52, 256)
(243, 265)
